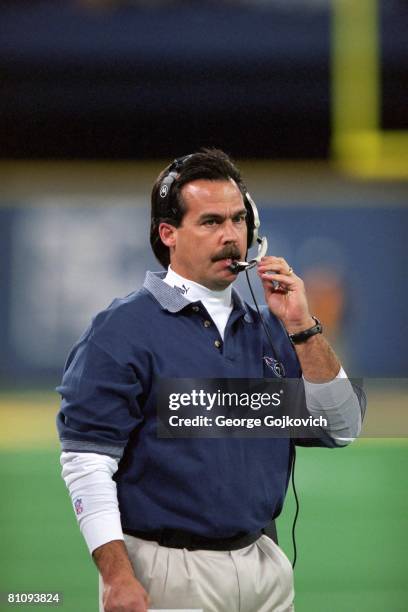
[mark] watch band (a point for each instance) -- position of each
(307, 333)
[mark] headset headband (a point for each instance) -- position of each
(168, 180)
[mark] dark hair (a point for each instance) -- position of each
(211, 164)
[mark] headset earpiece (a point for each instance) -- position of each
(253, 221)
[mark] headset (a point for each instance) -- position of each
(253, 239)
(252, 218)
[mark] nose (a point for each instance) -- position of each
(230, 233)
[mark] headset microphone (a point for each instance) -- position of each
(240, 266)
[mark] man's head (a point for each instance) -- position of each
(198, 218)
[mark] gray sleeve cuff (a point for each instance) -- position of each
(82, 446)
(338, 404)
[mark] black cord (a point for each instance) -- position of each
(266, 330)
(293, 463)
(297, 505)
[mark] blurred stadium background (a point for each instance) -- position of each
(311, 98)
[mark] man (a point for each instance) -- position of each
(180, 525)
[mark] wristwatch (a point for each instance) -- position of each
(307, 333)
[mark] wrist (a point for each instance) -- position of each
(306, 334)
(295, 327)
(113, 563)
(115, 577)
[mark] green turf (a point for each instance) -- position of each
(352, 528)
(351, 532)
(42, 549)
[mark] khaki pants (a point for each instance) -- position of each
(257, 578)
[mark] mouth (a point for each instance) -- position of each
(230, 257)
(227, 262)
(225, 259)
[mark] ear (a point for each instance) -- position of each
(168, 234)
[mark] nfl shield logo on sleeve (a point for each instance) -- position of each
(78, 506)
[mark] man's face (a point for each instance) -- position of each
(212, 234)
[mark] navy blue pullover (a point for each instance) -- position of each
(212, 487)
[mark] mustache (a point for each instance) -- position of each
(229, 252)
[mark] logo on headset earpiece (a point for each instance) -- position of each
(164, 190)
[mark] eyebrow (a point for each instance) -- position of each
(218, 217)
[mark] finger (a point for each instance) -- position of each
(289, 280)
(284, 271)
(271, 260)
(279, 265)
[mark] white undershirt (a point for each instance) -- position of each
(88, 476)
(217, 303)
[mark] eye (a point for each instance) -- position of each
(210, 222)
(239, 218)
